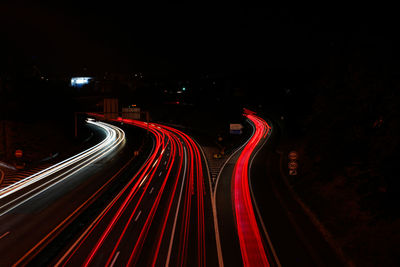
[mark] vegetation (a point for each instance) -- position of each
(348, 144)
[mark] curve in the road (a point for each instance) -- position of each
(177, 158)
(31, 185)
(251, 242)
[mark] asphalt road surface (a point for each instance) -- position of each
(107, 207)
(260, 224)
(296, 240)
(162, 216)
(35, 210)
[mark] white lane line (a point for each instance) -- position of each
(144, 179)
(155, 162)
(111, 133)
(216, 229)
(165, 162)
(214, 204)
(223, 166)
(4, 234)
(278, 263)
(137, 216)
(115, 259)
(74, 170)
(171, 241)
(151, 191)
(67, 174)
(94, 222)
(159, 174)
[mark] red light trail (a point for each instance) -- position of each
(118, 221)
(251, 244)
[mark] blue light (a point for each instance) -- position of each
(79, 81)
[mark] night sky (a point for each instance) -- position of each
(68, 36)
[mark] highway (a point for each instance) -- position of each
(259, 221)
(21, 191)
(162, 216)
(34, 210)
(251, 245)
(295, 238)
(243, 241)
(106, 207)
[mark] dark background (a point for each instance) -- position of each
(260, 55)
(66, 35)
(331, 72)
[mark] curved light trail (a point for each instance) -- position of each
(251, 244)
(161, 208)
(43, 180)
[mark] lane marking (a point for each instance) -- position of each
(90, 227)
(165, 162)
(76, 211)
(144, 179)
(278, 263)
(115, 259)
(214, 204)
(4, 234)
(137, 216)
(74, 245)
(216, 229)
(171, 241)
(67, 174)
(155, 162)
(90, 158)
(223, 165)
(107, 142)
(159, 174)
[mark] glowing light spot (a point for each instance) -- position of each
(79, 81)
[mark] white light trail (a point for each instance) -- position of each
(114, 137)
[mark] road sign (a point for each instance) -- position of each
(235, 128)
(292, 155)
(131, 113)
(18, 153)
(292, 165)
